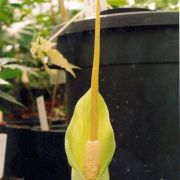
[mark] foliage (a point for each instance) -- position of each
(9, 98)
(158, 4)
(22, 21)
(9, 71)
(150, 4)
(117, 3)
(18, 25)
(43, 48)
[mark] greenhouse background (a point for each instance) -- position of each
(138, 79)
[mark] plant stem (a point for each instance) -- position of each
(95, 77)
(55, 88)
(64, 18)
(63, 11)
(53, 19)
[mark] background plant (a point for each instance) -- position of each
(23, 20)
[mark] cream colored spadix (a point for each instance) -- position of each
(89, 140)
(92, 160)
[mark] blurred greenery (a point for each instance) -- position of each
(18, 25)
(158, 4)
(150, 4)
(23, 20)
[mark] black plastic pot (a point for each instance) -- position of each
(139, 81)
(35, 155)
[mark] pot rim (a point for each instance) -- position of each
(120, 20)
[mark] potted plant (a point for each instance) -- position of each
(23, 143)
(138, 73)
(136, 82)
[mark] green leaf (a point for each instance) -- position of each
(21, 68)
(10, 98)
(42, 47)
(10, 73)
(173, 1)
(78, 133)
(117, 3)
(58, 59)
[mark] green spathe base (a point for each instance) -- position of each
(78, 133)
